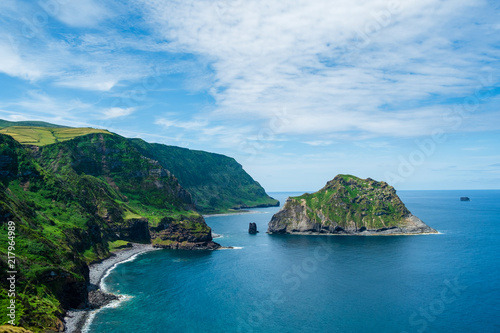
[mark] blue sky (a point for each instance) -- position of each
(297, 91)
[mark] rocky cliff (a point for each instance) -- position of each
(70, 201)
(348, 205)
(187, 234)
(216, 182)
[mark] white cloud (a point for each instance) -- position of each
(354, 66)
(13, 64)
(81, 13)
(88, 82)
(187, 125)
(117, 112)
(42, 105)
(319, 142)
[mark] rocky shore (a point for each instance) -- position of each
(75, 320)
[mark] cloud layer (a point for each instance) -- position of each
(306, 84)
(369, 67)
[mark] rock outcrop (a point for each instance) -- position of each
(191, 233)
(348, 205)
(252, 228)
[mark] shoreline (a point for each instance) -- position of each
(359, 234)
(76, 319)
(235, 213)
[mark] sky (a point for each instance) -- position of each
(296, 91)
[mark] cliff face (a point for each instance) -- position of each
(348, 205)
(216, 182)
(70, 201)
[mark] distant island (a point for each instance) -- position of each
(348, 205)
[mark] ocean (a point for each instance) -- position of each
(449, 282)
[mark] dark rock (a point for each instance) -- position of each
(98, 298)
(464, 199)
(252, 228)
(362, 229)
(135, 230)
(338, 229)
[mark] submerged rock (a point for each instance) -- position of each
(348, 205)
(464, 199)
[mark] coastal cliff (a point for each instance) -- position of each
(348, 205)
(217, 183)
(74, 196)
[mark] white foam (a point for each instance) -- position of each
(103, 284)
(113, 304)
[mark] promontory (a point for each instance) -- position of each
(348, 205)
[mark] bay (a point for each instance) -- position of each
(448, 282)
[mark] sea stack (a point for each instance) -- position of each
(252, 228)
(348, 205)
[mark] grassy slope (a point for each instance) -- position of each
(69, 201)
(6, 123)
(147, 189)
(217, 182)
(348, 198)
(52, 226)
(41, 136)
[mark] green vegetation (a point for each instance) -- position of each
(72, 203)
(41, 136)
(48, 237)
(30, 123)
(76, 194)
(217, 183)
(117, 245)
(348, 200)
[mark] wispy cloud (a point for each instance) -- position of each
(81, 13)
(306, 84)
(13, 64)
(89, 55)
(187, 125)
(356, 66)
(117, 112)
(319, 143)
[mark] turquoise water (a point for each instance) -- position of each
(434, 283)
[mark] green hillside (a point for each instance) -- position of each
(217, 182)
(75, 194)
(71, 201)
(31, 123)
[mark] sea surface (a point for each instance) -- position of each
(448, 282)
